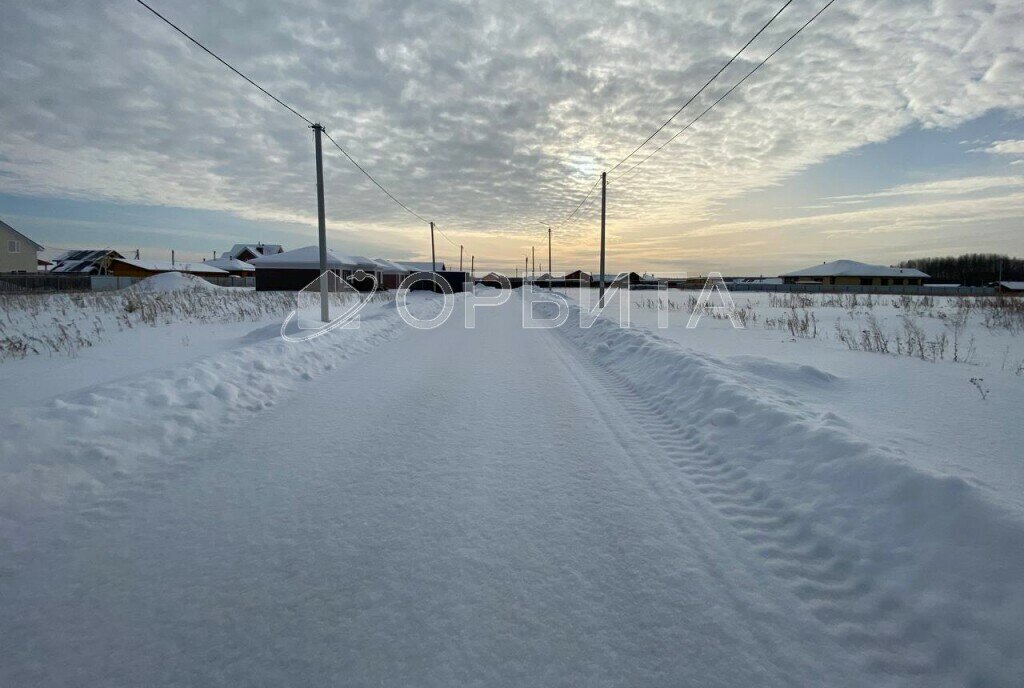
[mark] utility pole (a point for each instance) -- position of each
(172, 257)
(551, 275)
(534, 261)
(472, 266)
(433, 258)
(325, 306)
(460, 257)
(526, 271)
(604, 188)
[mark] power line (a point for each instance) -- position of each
(225, 63)
(282, 104)
(577, 208)
(702, 88)
(445, 236)
(378, 184)
(698, 93)
(734, 87)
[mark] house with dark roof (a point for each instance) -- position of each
(84, 261)
(18, 253)
(250, 252)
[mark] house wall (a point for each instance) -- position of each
(284, 279)
(124, 270)
(23, 260)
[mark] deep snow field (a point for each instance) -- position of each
(188, 499)
(922, 407)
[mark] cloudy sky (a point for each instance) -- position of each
(887, 130)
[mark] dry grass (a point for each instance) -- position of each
(64, 324)
(860, 329)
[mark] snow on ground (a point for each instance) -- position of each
(927, 413)
(906, 552)
(78, 422)
(508, 506)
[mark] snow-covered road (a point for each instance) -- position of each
(488, 506)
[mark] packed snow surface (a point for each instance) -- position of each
(509, 506)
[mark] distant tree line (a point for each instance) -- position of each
(970, 269)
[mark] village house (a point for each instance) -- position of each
(18, 253)
(578, 277)
(1006, 287)
(853, 273)
(84, 261)
(130, 267)
(232, 266)
(250, 252)
(294, 270)
(392, 273)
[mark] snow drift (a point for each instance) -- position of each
(174, 281)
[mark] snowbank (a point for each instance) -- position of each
(173, 281)
(889, 555)
(76, 452)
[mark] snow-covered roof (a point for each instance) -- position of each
(365, 263)
(1013, 286)
(305, 258)
(390, 266)
(230, 265)
(4, 225)
(760, 280)
(256, 249)
(611, 277)
(167, 266)
(421, 267)
(853, 268)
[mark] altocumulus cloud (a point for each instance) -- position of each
(486, 115)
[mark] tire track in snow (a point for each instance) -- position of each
(827, 582)
(691, 521)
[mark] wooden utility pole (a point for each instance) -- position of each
(604, 188)
(433, 258)
(526, 270)
(551, 275)
(472, 267)
(533, 249)
(325, 305)
(460, 257)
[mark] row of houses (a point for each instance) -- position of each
(270, 267)
(295, 269)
